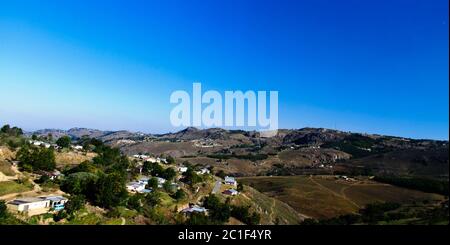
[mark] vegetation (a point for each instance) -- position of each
(417, 183)
(191, 177)
(64, 141)
(6, 218)
(101, 181)
(14, 131)
(5, 168)
(355, 144)
(7, 187)
(251, 157)
(36, 158)
(243, 214)
(389, 213)
(11, 136)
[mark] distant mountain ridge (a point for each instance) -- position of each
(77, 133)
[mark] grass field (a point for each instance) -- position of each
(272, 210)
(326, 197)
(70, 158)
(8, 187)
(5, 168)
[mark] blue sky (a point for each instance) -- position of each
(364, 66)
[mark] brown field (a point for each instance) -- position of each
(5, 168)
(272, 210)
(72, 158)
(325, 196)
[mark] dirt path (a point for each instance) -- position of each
(333, 192)
(217, 186)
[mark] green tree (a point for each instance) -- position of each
(153, 198)
(75, 203)
(5, 129)
(3, 210)
(152, 183)
(135, 202)
(36, 158)
(179, 195)
(64, 141)
(169, 174)
(240, 187)
(110, 190)
(191, 177)
(218, 212)
(170, 160)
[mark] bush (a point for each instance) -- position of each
(36, 158)
(64, 142)
(3, 210)
(179, 195)
(417, 183)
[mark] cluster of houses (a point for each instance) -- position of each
(231, 181)
(202, 171)
(43, 144)
(140, 185)
(148, 158)
(48, 145)
(37, 205)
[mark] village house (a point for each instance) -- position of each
(37, 205)
(52, 175)
(138, 187)
(194, 209)
(161, 181)
(231, 192)
(203, 171)
(230, 181)
(77, 147)
(182, 169)
(142, 157)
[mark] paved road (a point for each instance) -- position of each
(217, 187)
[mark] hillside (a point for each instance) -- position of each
(290, 152)
(325, 197)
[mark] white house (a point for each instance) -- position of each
(182, 169)
(151, 159)
(203, 171)
(161, 181)
(77, 147)
(230, 181)
(144, 180)
(135, 187)
(143, 157)
(231, 192)
(194, 209)
(37, 205)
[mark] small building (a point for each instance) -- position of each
(231, 192)
(144, 180)
(56, 202)
(135, 187)
(77, 147)
(230, 181)
(203, 171)
(161, 181)
(151, 159)
(51, 175)
(182, 169)
(37, 205)
(194, 209)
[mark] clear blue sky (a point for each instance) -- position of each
(366, 66)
